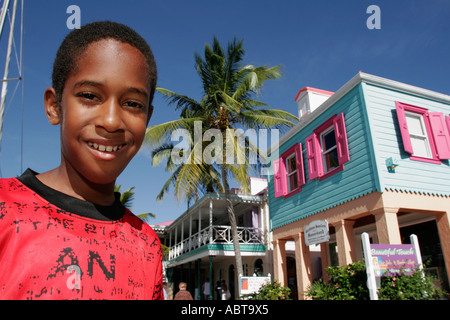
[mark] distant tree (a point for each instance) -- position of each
(127, 197)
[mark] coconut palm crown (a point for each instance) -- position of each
(229, 88)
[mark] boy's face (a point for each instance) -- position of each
(104, 110)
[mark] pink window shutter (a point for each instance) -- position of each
(440, 134)
(279, 174)
(407, 145)
(276, 178)
(447, 120)
(313, 155)
(300, 169)
(341, 139)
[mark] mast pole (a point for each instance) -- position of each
(3, 15)
(8, 58)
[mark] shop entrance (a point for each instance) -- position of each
(430, 248)
(292, 277)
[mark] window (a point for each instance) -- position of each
(289, 175)
(291, 166)
(327, 148)
(418, 135)
(425, 134)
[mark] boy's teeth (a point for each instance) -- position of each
(104, 148)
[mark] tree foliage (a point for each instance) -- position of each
(227, 102)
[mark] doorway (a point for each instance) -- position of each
(231, 281)
(430, 249)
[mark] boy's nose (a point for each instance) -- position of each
(110, 116)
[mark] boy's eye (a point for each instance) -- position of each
(134, 104)
(87, 95)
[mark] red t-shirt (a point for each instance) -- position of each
(87, 252)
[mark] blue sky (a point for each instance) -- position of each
(321, 44)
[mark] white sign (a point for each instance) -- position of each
(250, 285)
(386, 259)
(317, 232)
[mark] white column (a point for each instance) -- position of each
(176, 243)
(170, 245)
(190, 231)
(210, 221)
(182, 236)
(199, 226)
(176, 234)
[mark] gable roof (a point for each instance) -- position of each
(356, 80)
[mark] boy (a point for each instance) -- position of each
(64, 233)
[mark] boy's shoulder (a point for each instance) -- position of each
(15, 193)
(11, 188)
(144, 230)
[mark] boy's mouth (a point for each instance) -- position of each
(104, 148)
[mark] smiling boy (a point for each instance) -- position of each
(64, 233)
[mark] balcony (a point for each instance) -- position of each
(204, 229)
(219, 235)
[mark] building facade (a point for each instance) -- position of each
(372, 157)
(201, 246)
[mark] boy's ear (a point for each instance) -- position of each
(52, 109)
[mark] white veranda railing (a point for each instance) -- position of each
(216, 235)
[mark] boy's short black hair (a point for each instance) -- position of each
(79, 39)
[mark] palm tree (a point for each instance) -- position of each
(206, 179)
(227, 103)
(144, 216)
(127, 197)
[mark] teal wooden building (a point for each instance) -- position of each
(372, 157)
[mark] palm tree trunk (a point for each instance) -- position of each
(232, 218)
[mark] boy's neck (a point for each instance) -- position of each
(66, 180)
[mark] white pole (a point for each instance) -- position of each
(191, 247)
(210, 220)
(371, 281)
(176, 241)
(415, 243)
(182, 236)
(3, 15)
(199, 225)
(171, 247)
(5, 75)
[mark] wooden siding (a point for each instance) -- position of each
(357, 179)
(410, 175)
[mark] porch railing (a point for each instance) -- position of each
(216, 235)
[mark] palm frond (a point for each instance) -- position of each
(126, 197)
(146, 215)
(268, 118)
(181, 101)
(161, 153)
(161, 133)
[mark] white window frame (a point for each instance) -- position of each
(325, 152)
(424, 137)
(289, 174)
